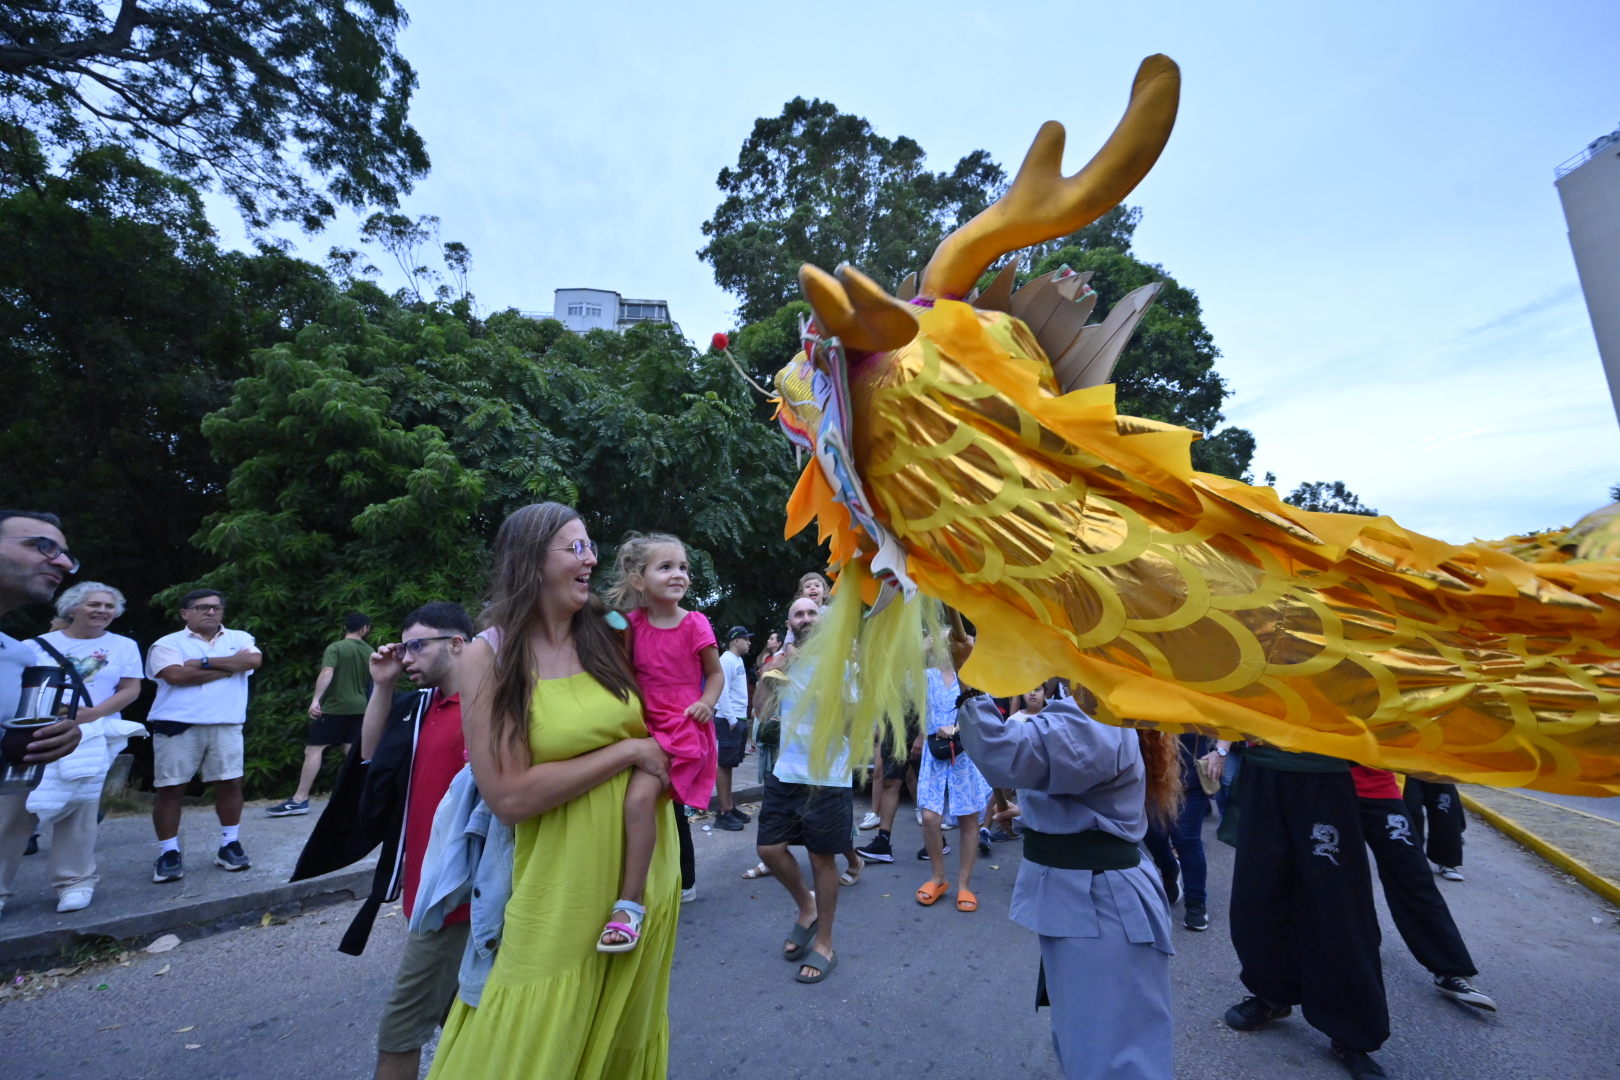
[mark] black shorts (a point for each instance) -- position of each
(733, 738)
(894, 769)
(334, 729)
(820, 819)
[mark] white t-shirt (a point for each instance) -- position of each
(733, 703)
(793, 756)
(1021, 716)
(102, 661)
(223, 701)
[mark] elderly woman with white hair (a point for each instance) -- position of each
(69, 796)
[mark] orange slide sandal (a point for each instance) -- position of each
(930, 892)
(966, 901)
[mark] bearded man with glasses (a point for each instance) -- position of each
(202, 674)
(33, 561)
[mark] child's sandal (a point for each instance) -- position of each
(631, 929)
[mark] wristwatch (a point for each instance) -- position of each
(1221, 752)
(206, 665)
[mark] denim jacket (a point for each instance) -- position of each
(468, 859)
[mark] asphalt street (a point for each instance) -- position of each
(918, 992)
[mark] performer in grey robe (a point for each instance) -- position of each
(1100, 910)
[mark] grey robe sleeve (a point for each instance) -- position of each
(1060, 751)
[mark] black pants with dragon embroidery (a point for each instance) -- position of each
(1441, 805)
(1302, 915)
(1414, 900)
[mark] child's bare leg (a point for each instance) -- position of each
(640, 836)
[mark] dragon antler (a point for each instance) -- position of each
(856, 309)
(1042, 204)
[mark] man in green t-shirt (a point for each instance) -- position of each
(339, 704)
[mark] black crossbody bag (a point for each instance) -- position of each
(81, 693)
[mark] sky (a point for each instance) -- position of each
(1361, 195)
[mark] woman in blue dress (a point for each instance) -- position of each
(948, 787)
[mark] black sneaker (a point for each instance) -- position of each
(231, 857)
(1196, 918)
(737, 812)
(922, 852)
(1359, 1062)
(729, 821)
(168, 868)
(879, 850)
(288, 809)
(1460, 989)
(984, 841)
(33, 844)
(1251, 1012)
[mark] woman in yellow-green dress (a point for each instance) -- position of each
(554, 728)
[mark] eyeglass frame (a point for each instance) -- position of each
(579, 547)
(204, 609)
(39, 543)
(421, 642)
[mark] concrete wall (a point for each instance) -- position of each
(1591, 197)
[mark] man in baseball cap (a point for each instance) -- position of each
(731, 725)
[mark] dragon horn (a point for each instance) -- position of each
(1042, 204)
(854, 308)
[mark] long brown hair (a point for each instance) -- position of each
(1161, 758)
(514, 607)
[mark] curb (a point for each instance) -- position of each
(1548, 850)
(42, 943)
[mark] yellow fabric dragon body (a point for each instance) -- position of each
(953, 456)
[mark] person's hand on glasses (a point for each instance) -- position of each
(388, 664)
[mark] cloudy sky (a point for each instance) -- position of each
(1361, 194)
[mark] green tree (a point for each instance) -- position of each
(121, 325)
(820, 186)
(1326, 497)
(333, 506)
(256, 94)
(374, 455)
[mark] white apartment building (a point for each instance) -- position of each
(1589, 187)
(602, 309)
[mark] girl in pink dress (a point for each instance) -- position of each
(677, 664)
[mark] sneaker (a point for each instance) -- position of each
(984, 841)
(75, 900)
(1251, 1012)
(33, 844)
(728, 821)
(1195, 918)
(1452, 873)
(168, 868)
(288, 809)
(1457, 988)
(231, 857)
(737, 812)
(689, 895)
(1001, 836)
(1359, 1062)
(870, 822)
(922, 853)
(879, 850)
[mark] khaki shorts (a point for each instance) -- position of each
(214, 749)
(424, 989)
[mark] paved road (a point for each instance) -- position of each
(1609, 807)
(918, 993)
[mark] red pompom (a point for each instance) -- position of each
(719, 343)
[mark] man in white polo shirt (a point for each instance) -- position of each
(202, 676)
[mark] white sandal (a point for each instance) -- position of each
(754, 872)
(631, 929)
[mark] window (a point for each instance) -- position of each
(576, 309)
(587, 310)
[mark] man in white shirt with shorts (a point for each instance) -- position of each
(731, 726)
(202, 674)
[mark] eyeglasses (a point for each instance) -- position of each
(417, 644)
(579, 548)
(51, 550)
(207, 609)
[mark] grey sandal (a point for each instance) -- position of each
(801, 937)
(823, 964)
